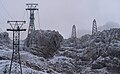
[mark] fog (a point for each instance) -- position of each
(60, 15)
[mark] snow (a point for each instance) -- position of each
(67, 47)
(88, 70)
(60, 59)
(25, 69)
(69, 58)
(26, 57)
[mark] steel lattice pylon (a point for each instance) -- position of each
(16, 28)
(94, 27)
(73, 35)
(30, 36)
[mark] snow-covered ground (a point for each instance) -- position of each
(98, 54)
(4, 64)
(29, 62)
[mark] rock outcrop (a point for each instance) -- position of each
(101, 52)
(4, 37)
(46, 43)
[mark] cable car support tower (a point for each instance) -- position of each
(16, 28)
(94, 27)
(32, 7)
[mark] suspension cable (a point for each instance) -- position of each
(38, 20)
(5, 9)
(23, 17)
(27, 17)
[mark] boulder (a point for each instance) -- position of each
(4, 38)
(46, 42)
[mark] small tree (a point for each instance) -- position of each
(6, 69)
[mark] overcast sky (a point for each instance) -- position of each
(60, 15)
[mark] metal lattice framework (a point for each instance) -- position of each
(94, 27)
(16, 28)
(73, 35)
(30, 38)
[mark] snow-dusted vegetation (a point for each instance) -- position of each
(92, 54)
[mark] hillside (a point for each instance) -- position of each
(108, 26)
(90, 54)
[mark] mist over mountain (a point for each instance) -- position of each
(108, 26)
(82, 32)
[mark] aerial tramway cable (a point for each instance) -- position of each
(5, 10)
(38, 20)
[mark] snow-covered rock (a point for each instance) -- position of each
(4, 68)
(47, 42)
(92, 54)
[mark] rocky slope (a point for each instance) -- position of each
(46, 43)
(90, 54)
(101, 52)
